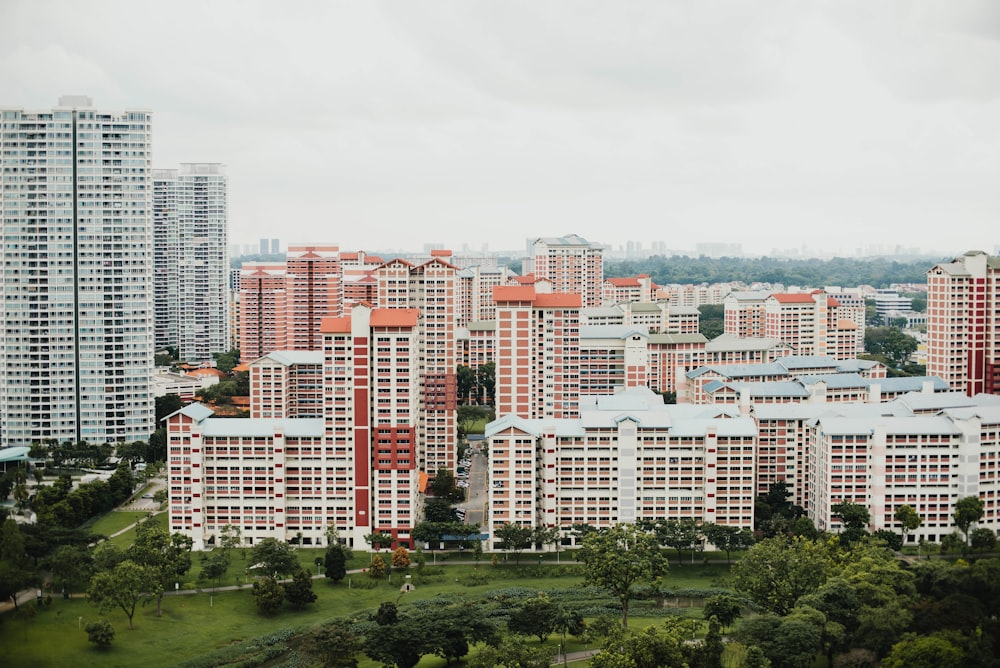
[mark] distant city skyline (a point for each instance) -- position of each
(774, 125)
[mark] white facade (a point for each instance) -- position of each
(191, 273)
(76, 236)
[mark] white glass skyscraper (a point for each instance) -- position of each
(76, 239)
(191, 284)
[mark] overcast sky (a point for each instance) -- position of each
(774, 124)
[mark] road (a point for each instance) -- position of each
(477, 492)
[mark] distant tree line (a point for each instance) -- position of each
(878, 272)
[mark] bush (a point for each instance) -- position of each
(100, 633)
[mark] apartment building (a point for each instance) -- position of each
(812, 323)
(263, 309)
(627, 457)
(475, 292)
(431, 289)
(313, 292)
(639, 289)
(963, 329)
(287, 384)
(191, 261)
(783, 369)
(289, 478)
(360, 285)
(571, 263)
(76, 236)
(612, 358)
(538, 351)
(696, 295)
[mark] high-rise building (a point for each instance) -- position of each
(963, 333)
(76, 236)
(431, 288)
(191, 263)
(538, 353)
(314, 292)
(263, 309)
(571, 263)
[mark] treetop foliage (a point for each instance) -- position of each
(877, 272)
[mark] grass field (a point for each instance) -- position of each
(195, 624)
(114, 521)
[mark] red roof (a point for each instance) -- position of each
(563, 299)
(394, 317)
(513, 293)
(793, 298)
(440, 253)
(206, 372)
(623, 282)
(335, 325)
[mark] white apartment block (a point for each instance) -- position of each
(191, 273)
(76, 236)
(571, 263)
(627, 457)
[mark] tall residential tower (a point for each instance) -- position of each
(191, 272)
(76, 236)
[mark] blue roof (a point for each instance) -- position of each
(17, 453)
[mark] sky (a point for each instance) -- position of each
(774, 124)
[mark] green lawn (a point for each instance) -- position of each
(196, 624)
(114, 521)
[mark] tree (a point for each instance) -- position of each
(855, 519)
(271, 556)
(12, 580)
(908, 519)
(486, 377)
(679, 534)
(443, 486)
(536, 616)
(653, 648)
(727, 538)
(166, 555)
(299, 592)
(227, 361)
(12, 544)
(335, 563)
(377, 568)
(124, 587)
(379, 540)
(167, 405)
(438, 510)
(513, 537)
(968, 511)
(512, 652)
(230, 539)
(401, 557)
(711, 320)
(726, 608)
(915, 651)
(543, 535)
(101, 633)
(335, 645)
(775, 572)
(618, 559)
(268, 594)
(983, 539)
(465, 378)
(71, 565)
(215, 566)
(891, 344)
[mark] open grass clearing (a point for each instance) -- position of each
(199, 623)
